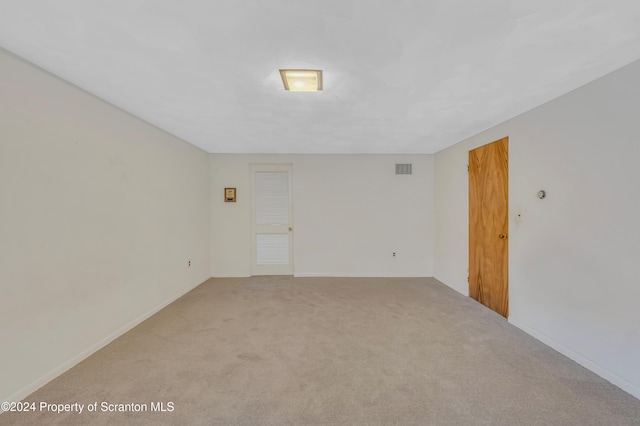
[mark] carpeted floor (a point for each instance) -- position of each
(330, 351)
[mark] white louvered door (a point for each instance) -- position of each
(272, 220)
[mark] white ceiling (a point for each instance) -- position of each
(400, 76)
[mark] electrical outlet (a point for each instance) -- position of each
(394, 254)
(189, 263)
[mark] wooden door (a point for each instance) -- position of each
(488, 225)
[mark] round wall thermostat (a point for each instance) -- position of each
(542, 194)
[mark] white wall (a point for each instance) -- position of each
(573, 258)
(351, 212)
(99, 214)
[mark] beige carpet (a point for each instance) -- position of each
(331, 351)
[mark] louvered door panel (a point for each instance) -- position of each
(272, 249)
(272, 198)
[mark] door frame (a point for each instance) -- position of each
(269, 167)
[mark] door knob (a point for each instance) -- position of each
(502, 236)
(290, 229)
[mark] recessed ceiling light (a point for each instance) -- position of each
(302, 80)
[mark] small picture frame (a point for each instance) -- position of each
(229, 195)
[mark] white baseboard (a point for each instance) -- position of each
(361, 275)
(230, 275)
(462, 290)
(580, 359)
(46, 378)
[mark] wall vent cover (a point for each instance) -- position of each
(403, 169)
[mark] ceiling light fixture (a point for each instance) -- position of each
(301, 80)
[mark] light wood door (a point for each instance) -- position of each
(272, 220)
(488, 225)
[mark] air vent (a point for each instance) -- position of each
(403, 169)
